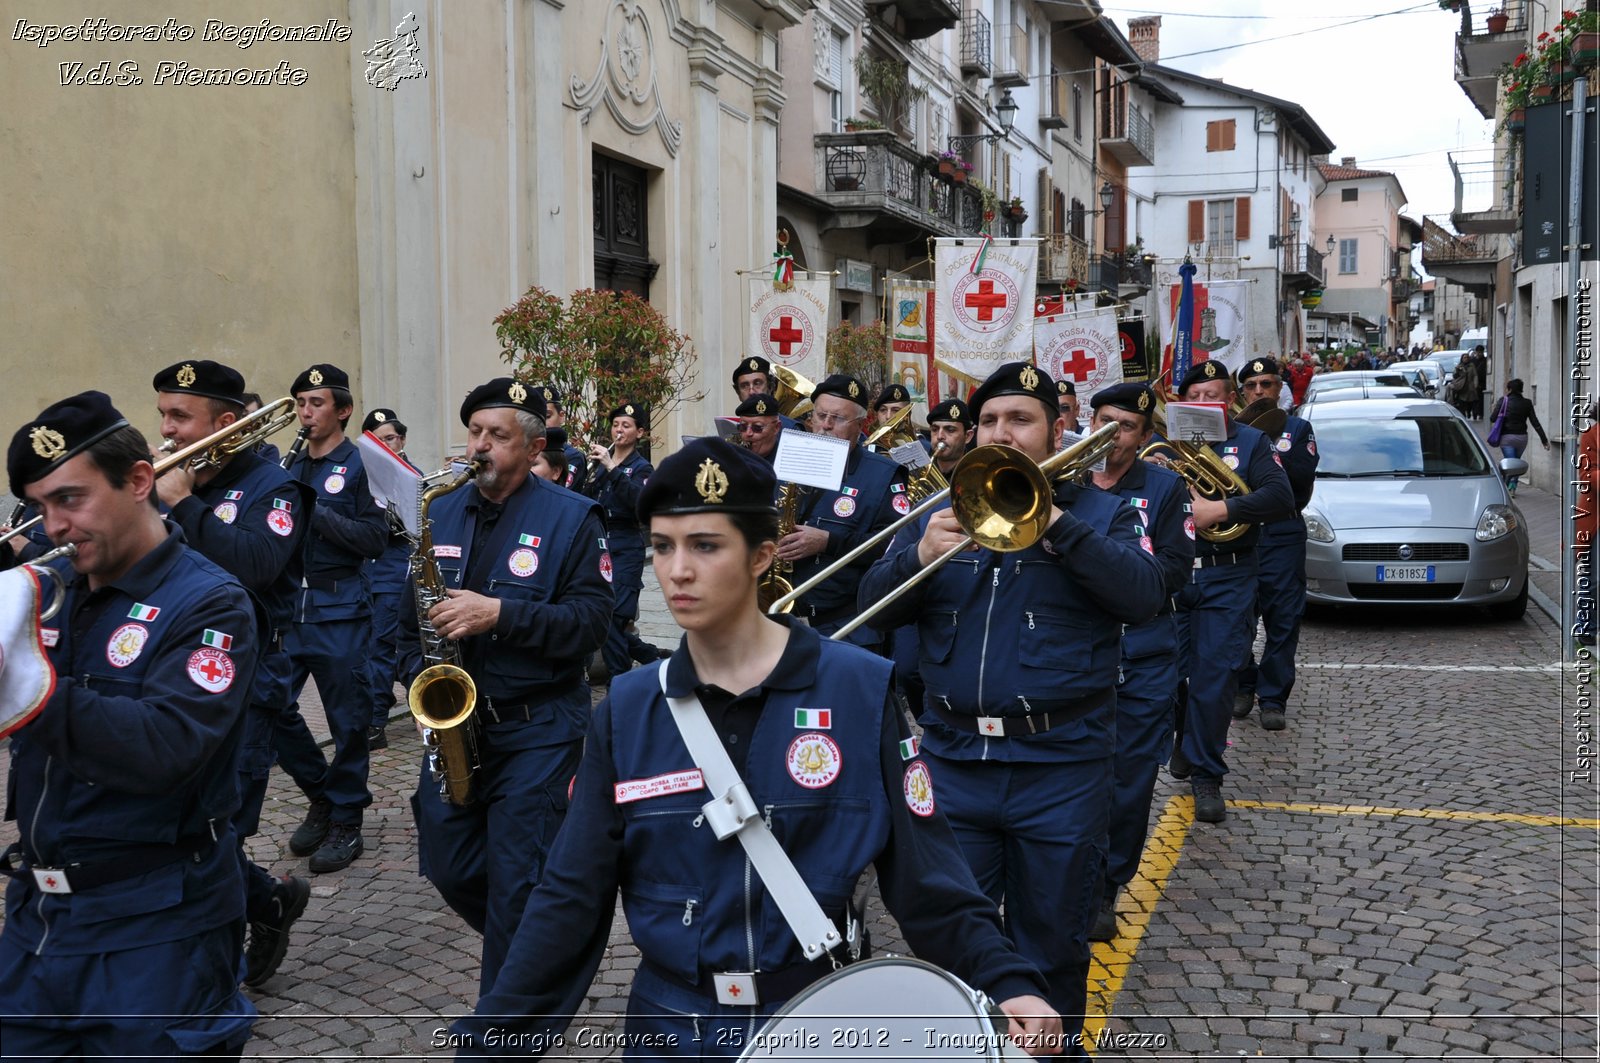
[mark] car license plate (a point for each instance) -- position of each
(1405, 573)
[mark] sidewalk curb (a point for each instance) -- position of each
(1540, 598)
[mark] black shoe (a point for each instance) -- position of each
(1178, 765)
(1208, 804)
(308, 836)
(377, 738)
(1272, 718)
(344, 844)
(1243, 702)
(1105, 920)
(667, 652)
(269, 937)
(644, 653)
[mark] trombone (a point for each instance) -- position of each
(1002, 500)
(211, 452)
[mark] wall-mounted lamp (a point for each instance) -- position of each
(1006, 110)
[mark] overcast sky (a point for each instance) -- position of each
(1382, 88)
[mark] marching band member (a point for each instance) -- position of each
(1281, 560)
(1068, 396)
(332, 629)
(891, 400)
(717, 956)
(832, 523)
(248, 517)
(551, 462)
(615, 479)
(1148, 676)
(577, 470)
(530, 595)
(1019, 661)
(950, 423)
(387, 576)
(125, 909)
(753, 376)
(759, 426)
(1215, 609)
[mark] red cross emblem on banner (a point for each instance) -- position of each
(986, 300)
(785, 335)
(1078, 364)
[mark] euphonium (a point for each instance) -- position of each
(893, 432)
(1202, 470)
(927, 480)
(775, 581)
(443, 698)
(794, 392)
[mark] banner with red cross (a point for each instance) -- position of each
(983, 305)
(790, 328)
(1083, 347)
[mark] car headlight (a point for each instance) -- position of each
(1318, 530)
(1497, 521)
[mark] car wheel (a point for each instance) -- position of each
(1513, 609)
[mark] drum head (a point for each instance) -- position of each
(885, 1009)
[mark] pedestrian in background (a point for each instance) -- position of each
(1519, 414)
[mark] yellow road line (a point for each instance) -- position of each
(1109, 960)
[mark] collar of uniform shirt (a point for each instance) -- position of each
(796, 669)
(149, 572)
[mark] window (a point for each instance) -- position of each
(1347, 256)
(913, 123)
(1219, 135)
(1219, 221)
(1075, 219)
(1077, 111)
(1349, 195)
(836, 47)
(836, 111)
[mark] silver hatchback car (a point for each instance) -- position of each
(1410, 508)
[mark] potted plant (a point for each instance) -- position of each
(1583, 32)
(1015, 210)
(860, 124)
(887, 83)
(1498, 20)
(949, 163)
(963, 171)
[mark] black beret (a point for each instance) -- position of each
(753, 364)
(635, 410)
(320, 375)
(503, 392)
(758, 405)
(1017, 378)
(1210, 369)
(555, 441)
(550, 395)
(382, 416)
(709, 475)
(1066, 387)
(1135, 398)
(209, 379)
(59, 434)
(951, 410)
(1258, 367)
(846, 387)
(894, 393)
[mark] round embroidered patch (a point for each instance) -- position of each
(211, 670)
(843, 506)
(1231, 460)
(281, 522)
(123, 648)
(1188, 526)
(333, 484)
(901, 504)
(919, 789)
(226, 512)
(605, 566)
(1311, 447)
(814, 760)
(523, 562)
(1146, 545)
(1283, 444)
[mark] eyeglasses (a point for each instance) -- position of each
(754, 429)
(831, 419)
(1258, 385)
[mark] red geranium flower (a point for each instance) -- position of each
(1544, 35)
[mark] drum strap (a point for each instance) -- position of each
(732, 812)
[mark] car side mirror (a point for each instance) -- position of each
(1510, 467)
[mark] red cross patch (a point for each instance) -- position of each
(212, 670)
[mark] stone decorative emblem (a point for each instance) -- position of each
(625, 78)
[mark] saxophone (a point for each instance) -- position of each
(443, 697)
(775, 581)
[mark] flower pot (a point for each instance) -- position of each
(947, 168)
(1516, 120)
(958, 176)
(1543, 94)
(1498, 23)
(1563, 72)
(1586, 48)
(846, 184)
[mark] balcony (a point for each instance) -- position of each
(923, 18)
(1128, 137)
(1480, 54)
(1057, 103)
(1063, 260)
(1011, 65)
(1303, 266)
(1485, 194)
(1107, 274)
(1217, 248)
(977, 45)
(1134, 277)
(873, 182)
(1469, 261)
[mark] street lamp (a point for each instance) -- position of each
(1006, 109)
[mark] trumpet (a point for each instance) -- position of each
(40, 565)
(1002, 500)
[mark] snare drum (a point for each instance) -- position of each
(889, 1008)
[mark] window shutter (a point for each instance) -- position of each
(1241, 219)
(836, 58)
(1197, 221)
(1211, 136)
(1227, 135)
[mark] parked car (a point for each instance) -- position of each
(1447, 360)
(1354, 377)
(1357, 392)
(1425, 375)
(1410, 508)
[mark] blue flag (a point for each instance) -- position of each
(1183, 328)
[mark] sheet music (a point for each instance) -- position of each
(911, 455)
(811, 459)
(396, 485)
(1196, 422)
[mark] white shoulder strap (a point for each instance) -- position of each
(733, 812)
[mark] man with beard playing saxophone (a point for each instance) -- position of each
(529, 601)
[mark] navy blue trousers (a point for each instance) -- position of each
(333, 653)
(1280, 603)
(1214, 617)
(1144, 738)
(627, 580)
(381, 677)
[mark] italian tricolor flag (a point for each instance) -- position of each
(278, 503)
(818, 719)
(909, 747)
(140, 611)
(220, 640)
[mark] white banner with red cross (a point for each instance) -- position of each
(1083, 347)
(983, 304)
(790, 328)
